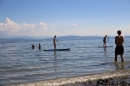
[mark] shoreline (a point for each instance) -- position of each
(113, 81)
(84, 80)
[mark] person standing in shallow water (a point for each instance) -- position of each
(54, 42)
(119, 50)
(33, 46)
(104, 40)
(39, 47)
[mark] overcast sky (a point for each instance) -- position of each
(64, 17)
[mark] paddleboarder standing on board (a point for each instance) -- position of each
(54, 41)
(104, 40)
(119, 50)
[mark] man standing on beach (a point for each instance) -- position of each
(119, 50)
(54, 42)
(104, 40)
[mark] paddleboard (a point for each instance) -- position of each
(65, 49)
(104, 46)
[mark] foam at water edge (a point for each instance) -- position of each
(62, 81)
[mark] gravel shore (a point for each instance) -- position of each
(115, 78)
(115, 81)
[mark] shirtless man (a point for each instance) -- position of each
(119, 50)
(54, 42)
(104, 40)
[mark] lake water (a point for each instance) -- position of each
(19, 63)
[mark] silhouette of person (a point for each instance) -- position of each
(104, 40)
(54, 42)
(33, 46)
(119, 50)
(39, 47)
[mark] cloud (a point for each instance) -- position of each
(73, 25)
(10, 27)
(43, 25)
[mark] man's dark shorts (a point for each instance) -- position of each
(119, 50)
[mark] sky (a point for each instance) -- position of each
(40, 18)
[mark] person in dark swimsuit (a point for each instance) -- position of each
(119, 49)
(32, 46)
(54, 42)
(39, 47)
(104, 40)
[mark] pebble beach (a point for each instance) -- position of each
(115, 78)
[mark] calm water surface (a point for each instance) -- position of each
(19, 63)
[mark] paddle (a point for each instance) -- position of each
(59, 43)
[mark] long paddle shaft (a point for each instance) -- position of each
(59, 43)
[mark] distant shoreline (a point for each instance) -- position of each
(42, 39)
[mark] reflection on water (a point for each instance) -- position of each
(55, 61)
(119, 65)
(55, 54)
(105, 52)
